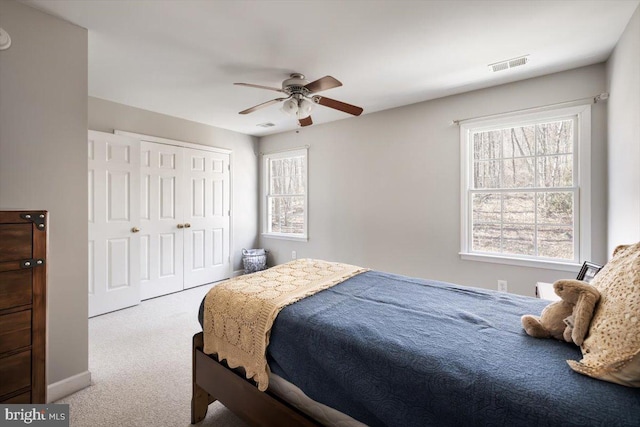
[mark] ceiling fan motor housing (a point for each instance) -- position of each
(295, 84)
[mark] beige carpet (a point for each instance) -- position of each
(140, 363)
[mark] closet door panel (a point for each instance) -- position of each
(113, 178)
(207, 217)
(161, 249)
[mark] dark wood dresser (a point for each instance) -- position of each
(23, 303)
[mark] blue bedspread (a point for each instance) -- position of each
(396, 351)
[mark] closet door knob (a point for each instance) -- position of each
(187, 225)
(135, 230)
(180, 225)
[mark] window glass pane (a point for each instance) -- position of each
(486, 208)
(555, 137)
(519, 208)
(555, 208)
(286, 214)
(518, 239)
(555, 242)
(518, 173)
(486, 237)
(276, 186)
(519, 141)
(276, 167)
(486, 174)
(486, 145)
(297, 184)
(287, 176)
(555, 171)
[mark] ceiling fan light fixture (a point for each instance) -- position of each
(290, 106)
(304, 108)
(5, 40)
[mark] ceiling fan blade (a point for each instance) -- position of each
(259, 86)
(306, 121)
(264, 104)
(324, 83)
(338, 105)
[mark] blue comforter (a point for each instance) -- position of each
(396, 351)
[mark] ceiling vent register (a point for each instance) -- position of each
(509, 63)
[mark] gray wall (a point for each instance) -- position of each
(43, 163)
(384, 188)
(623, 83)
(106, 116)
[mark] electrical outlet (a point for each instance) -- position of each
(502, 286)
(294, 255)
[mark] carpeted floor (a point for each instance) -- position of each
(140, 363)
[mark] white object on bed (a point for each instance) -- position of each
(322, 413)
(545, 291)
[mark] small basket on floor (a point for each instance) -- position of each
(254, 260)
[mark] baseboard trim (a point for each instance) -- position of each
(237, 273)
(63, 388)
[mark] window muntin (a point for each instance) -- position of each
(285, 176)
(522, 192)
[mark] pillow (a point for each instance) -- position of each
(611, 351)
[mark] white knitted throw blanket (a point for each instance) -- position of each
(239, 312)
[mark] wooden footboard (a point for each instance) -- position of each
(213, 381)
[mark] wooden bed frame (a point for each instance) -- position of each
(213, 381)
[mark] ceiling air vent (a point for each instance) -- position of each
(509, 63)
(266, 125)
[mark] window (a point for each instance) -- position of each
(285, 194)
(525, 192)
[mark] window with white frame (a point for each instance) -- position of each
(526, 187)
(285, 209)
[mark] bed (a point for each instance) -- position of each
(390, 350)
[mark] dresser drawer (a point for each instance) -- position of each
(21, 398)
(15, 242)
(15, 331)
(15, 372)
(15, 288)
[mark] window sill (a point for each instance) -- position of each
(522, 262)
(285, 237)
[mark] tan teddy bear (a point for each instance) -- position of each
(567, 319)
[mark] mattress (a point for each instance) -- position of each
(316, 410)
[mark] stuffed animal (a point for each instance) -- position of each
(567, 319)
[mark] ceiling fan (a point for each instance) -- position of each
(301, 97)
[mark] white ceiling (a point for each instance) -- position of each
(182, 57)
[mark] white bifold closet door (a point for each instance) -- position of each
(114, 262)
(162, 200)
(206, 246)
(185, 218)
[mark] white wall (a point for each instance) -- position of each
(43, 163)
(106, 116)
(623, 83)
(384, 188)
